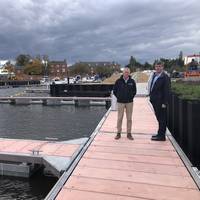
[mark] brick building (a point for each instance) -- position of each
(58, 69)
(102, 63)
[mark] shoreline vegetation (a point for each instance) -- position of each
(187, 90)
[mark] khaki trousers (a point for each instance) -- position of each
(128, 107)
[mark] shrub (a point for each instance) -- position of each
(187, 90)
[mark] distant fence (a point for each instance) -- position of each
(18, 83)
(184, 124)
(81, 90)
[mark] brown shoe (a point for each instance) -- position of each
(118, 136)
(129, 136)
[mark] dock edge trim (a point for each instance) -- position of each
(65, 176)
(185, 159)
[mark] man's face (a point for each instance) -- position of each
(126, 73)
(159, 68)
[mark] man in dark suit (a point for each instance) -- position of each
(159, 90)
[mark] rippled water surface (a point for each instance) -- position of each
(40, 122)
(35, 188)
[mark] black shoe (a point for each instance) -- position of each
(118, 136)
(156, 135)
(158, 138)
(129, 136)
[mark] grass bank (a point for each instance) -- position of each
(187, 90)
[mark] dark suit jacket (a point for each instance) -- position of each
(161, 90)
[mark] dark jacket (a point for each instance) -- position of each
(161, 90)
(123, 91)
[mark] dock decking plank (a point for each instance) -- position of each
(136, 177)
(134, 166)
(124, 169)
(135, 190)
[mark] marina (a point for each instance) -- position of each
(24, 100)
(99, 100)
(37, 123)
(123, 169)
(89, 168)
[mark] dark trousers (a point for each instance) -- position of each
(161, 116)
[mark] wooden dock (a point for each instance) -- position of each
(129, 170)
(55, 98)
(79, 101)
(55, 156)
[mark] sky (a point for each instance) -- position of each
(99, 30)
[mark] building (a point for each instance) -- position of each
(58, 69)
(97, 64)
(92, 65)
(188, 59)
(19, 70)
(5, 74)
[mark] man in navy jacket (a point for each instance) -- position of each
(159, 91)
(124, 90)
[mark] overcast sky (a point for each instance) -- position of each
(99, 30)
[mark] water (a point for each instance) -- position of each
(39, 122)
(35, 188)
(21, 91)
(4, 92)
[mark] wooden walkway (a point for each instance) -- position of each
(130, 170)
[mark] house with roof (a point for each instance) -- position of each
(5, 73)
(101, 63)
(188, 59)
(58, 69)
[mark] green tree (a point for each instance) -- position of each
(170, 64)
(38, 56)
(180, 55)
(80, 69)
(132, 64)
(11, 69)
(34, 68)
(180, 59)
(23, 59)
(147, 65)
(104, 71)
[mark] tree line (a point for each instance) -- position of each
(35, 66)
(170, 65)
(32, 65)
(102, 70)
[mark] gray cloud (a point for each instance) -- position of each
(94, 30)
